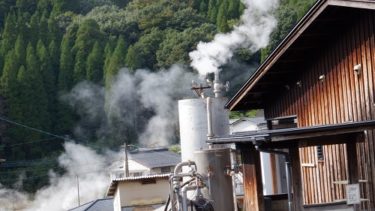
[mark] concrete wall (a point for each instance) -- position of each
(133, 193)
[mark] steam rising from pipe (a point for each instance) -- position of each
(253, 33)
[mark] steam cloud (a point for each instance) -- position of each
(129, 94)
(255, 27)
(62, 193)
(127, 101)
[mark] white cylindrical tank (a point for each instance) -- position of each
(193, 126)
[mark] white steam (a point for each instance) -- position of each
(61, 194)
(253, 32)
(144, 102)
(160, 92)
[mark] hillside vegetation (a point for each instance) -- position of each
(48, 46)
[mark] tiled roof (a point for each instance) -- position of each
(105, 204)
(155, 158)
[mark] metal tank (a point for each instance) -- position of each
(214, 165)
(217, 117)
(193, 126)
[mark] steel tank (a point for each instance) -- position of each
(217, 117)
(214, 165)
(193, 126)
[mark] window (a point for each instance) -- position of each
(137, 174)
(320, 153)
(165, 169)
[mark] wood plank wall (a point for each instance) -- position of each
(342, 96)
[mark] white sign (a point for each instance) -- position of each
(353, 194)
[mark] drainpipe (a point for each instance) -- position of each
(210, 133)
(287, 170)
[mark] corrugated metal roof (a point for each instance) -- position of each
(112, 188)
(155, 176)
(155, 158)
(97, 205)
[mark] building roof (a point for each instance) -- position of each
(316, 29)
(113, 186)
(314, 135)
(250, 120)
(155, 157)
(105, 204)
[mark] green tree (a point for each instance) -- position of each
(117, 61)
(176, 46)
(222, 17)
(234, 9)
(9, 75)
(33, 102)
(65, 79)
(20, 51)
(48, 76)
(54, 52)
(212, 10)
(95, 64)
(87, 34)
(143, 53)
(9, 34)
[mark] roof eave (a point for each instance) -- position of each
(300, 27)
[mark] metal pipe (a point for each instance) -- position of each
(210, 133)
(184, 196)
(175, 186)
(179, 166)
(288, 184)
(287, 169)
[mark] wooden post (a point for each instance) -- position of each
(296, 179)
(253, 188)
(351, 152)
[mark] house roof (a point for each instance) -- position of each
(316, 29)
(113, 186)
(155, 158)
(253, 120)
(105, 204)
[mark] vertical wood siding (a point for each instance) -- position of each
(341, 97)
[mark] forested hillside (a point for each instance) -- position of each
(48, 46)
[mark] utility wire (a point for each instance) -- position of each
(44, 132)
(31, 142)
(34, 129)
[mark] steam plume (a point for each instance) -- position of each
(61, 194)
(253, 32)
(125, 104)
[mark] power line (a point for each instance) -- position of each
(34, 129)
(31, 142)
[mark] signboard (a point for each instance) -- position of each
(353, 194)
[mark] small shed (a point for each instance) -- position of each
(139, 193)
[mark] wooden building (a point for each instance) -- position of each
(317, 92)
